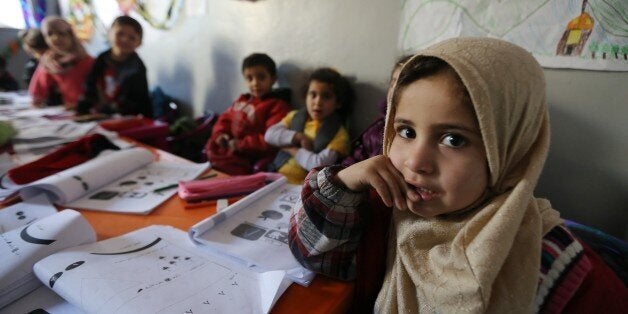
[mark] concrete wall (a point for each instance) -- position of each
(198, 61)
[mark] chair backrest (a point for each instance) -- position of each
(612, 250)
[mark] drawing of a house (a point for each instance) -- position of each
(575, 36)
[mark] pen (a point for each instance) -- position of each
(165, 188)
(211, 175)
(168, 187)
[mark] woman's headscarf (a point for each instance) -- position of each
(54, 60)
(487, 259)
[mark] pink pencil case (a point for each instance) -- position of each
(224, 187)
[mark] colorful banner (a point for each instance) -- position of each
(34, 11)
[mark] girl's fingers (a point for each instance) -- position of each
(398, 187)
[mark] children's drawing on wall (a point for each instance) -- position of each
(89, 18)
(83, 19)
(580, 34)
(575, 36)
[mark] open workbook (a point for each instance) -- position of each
(124, 181)
(156, 269)
(21, 246)
(254, 231)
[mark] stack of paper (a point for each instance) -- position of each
(156, 269)
(21, 248)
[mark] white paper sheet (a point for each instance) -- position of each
(25, 212)
(41, 299)
(136, 192)
(156, 269)
(70, 184)
(10, 101)
(21, 248)
(255, 230)
(119, 181)
(50, 134)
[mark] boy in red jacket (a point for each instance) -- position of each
(237, 140)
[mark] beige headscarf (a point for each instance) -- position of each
(54, 60)
(487, 260)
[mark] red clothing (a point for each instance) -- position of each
(246, 121)
(69, 83)
(344, 234)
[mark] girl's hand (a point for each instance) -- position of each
(378, 172)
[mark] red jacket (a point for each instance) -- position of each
(246, 121)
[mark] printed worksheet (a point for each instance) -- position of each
(21, 248)
(124, 181)
(255, 230)
(157, 269)
(43, 301)
(25, 212)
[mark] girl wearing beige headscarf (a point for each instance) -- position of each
(63, 67)
(466, 136)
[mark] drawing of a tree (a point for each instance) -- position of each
(606, 49)
(593, 48)
(615, 50)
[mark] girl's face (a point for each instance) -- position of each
(258, 80)
(320, 100)
(59, 39)
(124, 40)
(438, 147)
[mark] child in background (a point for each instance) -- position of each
(63, 67)
(34, 44)
(237, 140)
(314, 136)
(369, 143)
(7, 82)
(450, 203)
(117, 81)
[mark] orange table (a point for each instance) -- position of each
(324, 295)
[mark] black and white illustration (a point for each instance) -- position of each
(121, 181)
(156, 269)
(255, 230)
(22, 247)
(25, 212)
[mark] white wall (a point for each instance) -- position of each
(199, 60)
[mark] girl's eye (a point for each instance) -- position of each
(453, 140)
(327, 96)
(406, 132)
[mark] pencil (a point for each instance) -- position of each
(211, 175)
(165, 188)
(174, 185)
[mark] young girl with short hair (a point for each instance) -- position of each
(313, 136)
(466, 136)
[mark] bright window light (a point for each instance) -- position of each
(11, 14)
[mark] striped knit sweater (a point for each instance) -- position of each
(326, 230)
